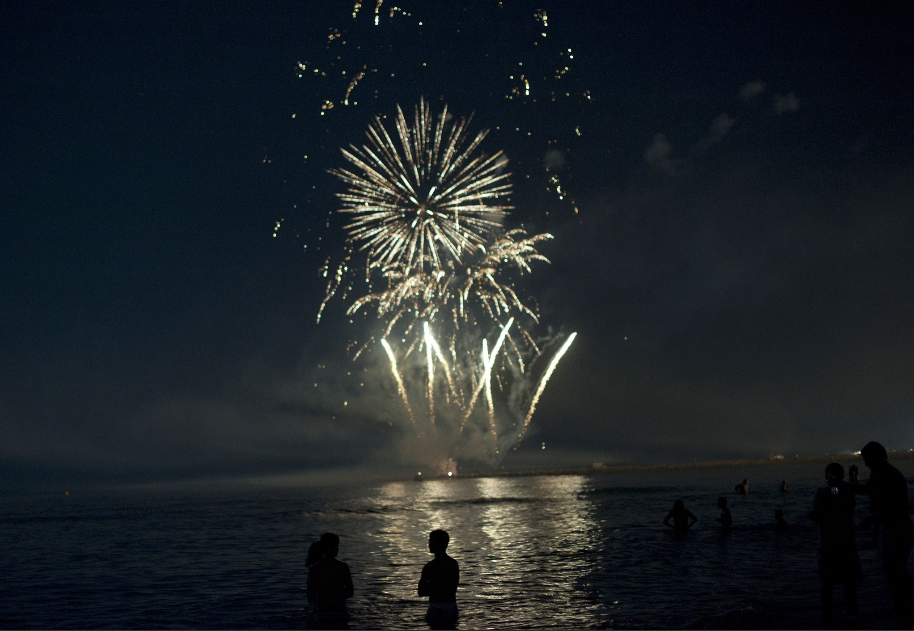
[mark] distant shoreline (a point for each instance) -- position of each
(707, 464)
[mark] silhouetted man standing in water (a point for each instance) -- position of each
(439, 581)
(329, 585)
(888, 492)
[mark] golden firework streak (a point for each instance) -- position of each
(489, 361)
(487, 369)
(431, 374)
(447, 370)
(393, 368)
(542, 386)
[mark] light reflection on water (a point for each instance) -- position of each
(534, 552)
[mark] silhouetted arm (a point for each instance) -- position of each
(692, 519)
(312, 587)
(423, 583)
(816, 513)
(347, 583)
(666, 520)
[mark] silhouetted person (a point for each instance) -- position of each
(725, 519)
(329, 585)
(315, 554)
(839, 563)
(779, 522)
(888, 492)
(853, 474)
(783, 486)
(742, 488)
(681, 518)
(439, 581)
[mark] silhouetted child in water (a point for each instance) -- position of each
(742, 488)
(439, 581)
(682, 519)
(329, 585)
(725, 519)
(839, 563)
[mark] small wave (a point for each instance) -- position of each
(367, 510)
(631, 490)
(490, 500)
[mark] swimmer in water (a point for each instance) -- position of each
(725, 519)
(680, 517)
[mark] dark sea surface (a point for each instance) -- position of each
(535, 552)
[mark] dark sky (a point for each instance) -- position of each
(738, 271)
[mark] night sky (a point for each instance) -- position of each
(732, 231)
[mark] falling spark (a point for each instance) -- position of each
(358, 77)
(400, 387)
(488, 382)
(431, 375)
(543, 381)
(447, 371)
(487, 369)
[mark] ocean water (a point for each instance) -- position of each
(535, 552)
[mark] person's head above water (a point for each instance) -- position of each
(315, 553)
(874, 455)
(438, 541)
(331, 544)
(834, 471)
(678, 505)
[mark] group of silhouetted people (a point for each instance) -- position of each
(330, 584)
(833, 513)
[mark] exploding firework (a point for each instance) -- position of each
(427, 209)
(428, 196)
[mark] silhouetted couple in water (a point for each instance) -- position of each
(330, 584)
(833, 512)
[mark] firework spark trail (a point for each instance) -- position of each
(400, 387)
(447, 370)
(358, 77)
(421, 296)
(431, 375)
(542, 386)
(489, 361)
(487, 368)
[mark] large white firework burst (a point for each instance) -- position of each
(424, 197)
